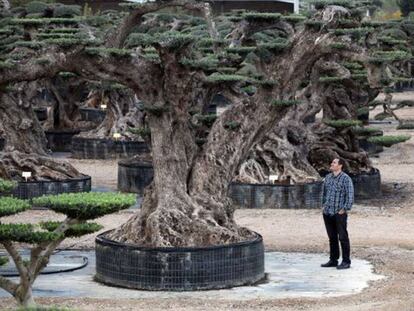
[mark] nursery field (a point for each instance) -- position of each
(380, 230)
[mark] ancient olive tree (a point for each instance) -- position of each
(47, 236)
(175, 78)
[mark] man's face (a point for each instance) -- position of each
(335, 166)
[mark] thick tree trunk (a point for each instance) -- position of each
(123, 112)
(22, 130)
(24, 294)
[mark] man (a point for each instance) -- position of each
(338, 196)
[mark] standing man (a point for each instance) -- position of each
(338, 196)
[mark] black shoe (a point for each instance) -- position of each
(330, 263)
(343, 265)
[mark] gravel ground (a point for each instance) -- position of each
(381, 231)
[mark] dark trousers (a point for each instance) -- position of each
(336, 229)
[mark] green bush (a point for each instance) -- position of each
(26, 233)
(74, 230)
(367, 131)
(36, 7)
(262, 17)
(388, 141)
(406, 126)
(7, 185)
(86, 206)
(67, 11)
(222, 78)
(11, 206)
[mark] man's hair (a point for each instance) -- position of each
(341, 162)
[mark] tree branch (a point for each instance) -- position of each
(18, 261)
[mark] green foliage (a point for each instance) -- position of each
(64, 30)
(353, 65)
(64, 42)
(43, 21)
(26, 233)
(86, 206)
(231, 125)
(285, 102)
(262, 17)
(241, 49)
(205, 63)
(207, 119)
(406, 126)
(388, 141)
(328, 79)
(74, 230)
(367, 131)
(29, 44)
(11, 206)
(338, 45)
(391, 41)
(3, 260)
(356, 32)
(7, 185)
(141, 131)
(314, 24)
(362, 111)
(174, 40)
(389, 56)
(67, 75)
(36, 7)
(293, 18)
(67, 11)
(137, 39)
(225, 78)
(342, 123)
(93, 51)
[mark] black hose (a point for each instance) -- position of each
(81, 266)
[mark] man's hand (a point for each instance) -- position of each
(341, 211)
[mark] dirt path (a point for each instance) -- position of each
(381, 231)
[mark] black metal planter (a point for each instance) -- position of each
(91, 148)
(32, 189)
(307, 195)
(2, 143)
(369, 147)
(134, 177)
(41, 113)
(367, 185)
(60, 140)
(92, 114)
(179, 269)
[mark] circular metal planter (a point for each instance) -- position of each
(60, 141)
(367, 185)
(91, 148)
(179, 269)
(41, 113)
(92, 114)
(369, 147)
(134, 177)
(296, 196)
(364, 117)
(32, 189)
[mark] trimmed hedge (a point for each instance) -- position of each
(388, 141)
(342, 123)
(7, 185)
(26, 233)
(86, 205)
(74, 230)
(11, 206)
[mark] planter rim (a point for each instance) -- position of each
(85, 177)
(108, 140)
(64, 131)
(276, 185)
(134, 164)
(102, 239)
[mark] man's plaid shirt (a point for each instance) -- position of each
(338, 193)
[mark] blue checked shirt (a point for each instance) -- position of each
(338, 193)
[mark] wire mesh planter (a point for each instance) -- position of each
(179, 269)
(308, 195)
(367, 185)
(134, 177)
(92, 114)
(94, 148)
(32, 189)
(60, 140)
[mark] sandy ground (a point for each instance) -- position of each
(381, 231)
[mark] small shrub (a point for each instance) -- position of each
(406, 126)
(67, 11)
(11, 206)
(388, 141)
(36, 7)
(7, 185)
(223, 78)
